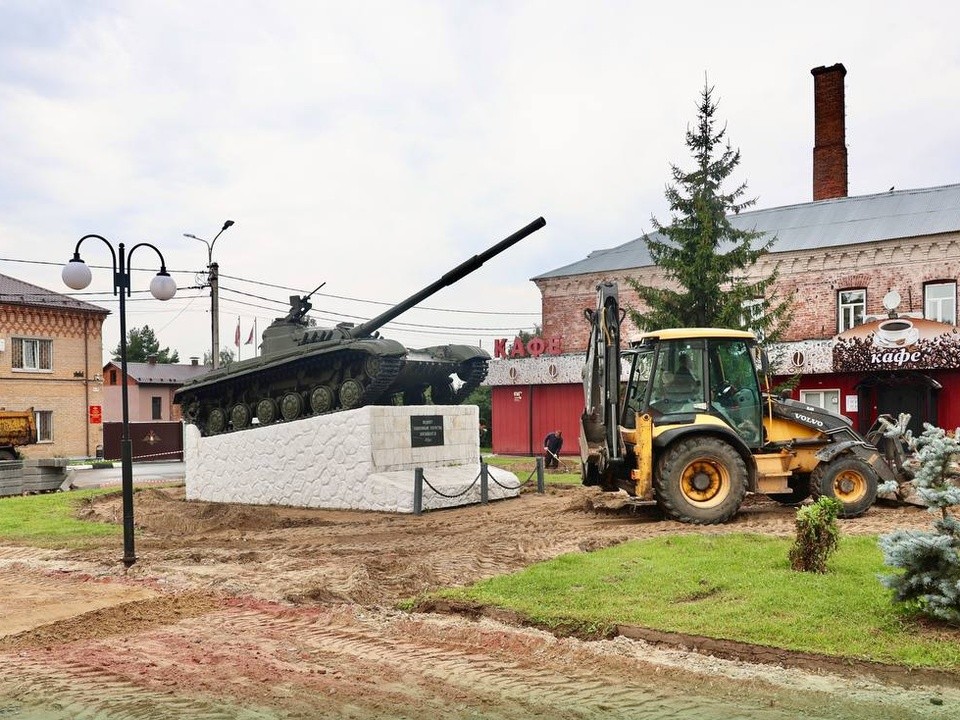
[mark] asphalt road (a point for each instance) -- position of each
(142, 473)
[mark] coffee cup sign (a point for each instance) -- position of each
(895, 331)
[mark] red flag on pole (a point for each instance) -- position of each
(236, 335)
(250, 339)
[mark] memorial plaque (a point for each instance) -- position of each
(426, 430)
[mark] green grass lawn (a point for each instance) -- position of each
(524, 465)
(48, 520)
(736, 587)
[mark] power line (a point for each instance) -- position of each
(278, 287)
(371, 302)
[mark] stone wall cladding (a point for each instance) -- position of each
(354, 460)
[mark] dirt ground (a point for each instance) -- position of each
(239, 611)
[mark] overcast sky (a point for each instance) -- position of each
(375, 145)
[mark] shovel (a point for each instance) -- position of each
(557, 458)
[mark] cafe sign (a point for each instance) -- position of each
(897, 343)
(534, 347)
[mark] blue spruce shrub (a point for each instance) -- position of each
(930, 560)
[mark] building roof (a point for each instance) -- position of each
(160, 373)
(18, 292)
(825, 223)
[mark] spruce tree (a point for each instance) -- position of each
(700, 252)
(142, 343)
(930, 560)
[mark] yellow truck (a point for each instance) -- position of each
(17, 428)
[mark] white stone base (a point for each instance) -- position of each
(359, 459)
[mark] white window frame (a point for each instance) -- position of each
(825, 398)
(941, 307)
(44, 420)
(847, 309)
(751, 311)
(20, 345)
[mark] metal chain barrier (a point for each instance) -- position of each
(142, 457)
(419, 480)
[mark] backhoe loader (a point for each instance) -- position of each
(692, 432)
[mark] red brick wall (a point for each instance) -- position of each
(813, 277)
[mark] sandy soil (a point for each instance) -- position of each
(263, 612)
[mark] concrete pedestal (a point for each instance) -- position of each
(361, 459)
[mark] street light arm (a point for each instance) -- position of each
(163, 264)
(227, 224)
(162, 286)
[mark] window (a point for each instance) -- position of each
(826, 399)
(113, 377)
(751, 315)
(44, 420)
(852, 305)
(156, 403)
(32, 354)
(940, 302)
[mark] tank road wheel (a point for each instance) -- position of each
(322, 400)
(849, 480)
(350, 393)
(216, 421)
(372, 365)
(702, 480)
(240, 416)
(291, 406)
(267, 411)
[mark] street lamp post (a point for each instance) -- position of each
(77, 275)
(213, 277)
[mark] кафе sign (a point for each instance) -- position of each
(897, 343)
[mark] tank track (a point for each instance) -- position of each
(476, 371)
(390, 367)
(476, 374)
(374, 390)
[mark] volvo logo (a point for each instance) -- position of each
(808, 420)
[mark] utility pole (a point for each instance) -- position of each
(213, 279)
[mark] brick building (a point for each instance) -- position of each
(852, 264)
(150, 389)
(50, 357)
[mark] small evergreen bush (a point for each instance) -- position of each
(930, 560)
(817, 535)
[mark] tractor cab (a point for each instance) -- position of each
(676, 375)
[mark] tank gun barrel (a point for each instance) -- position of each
(459, 272)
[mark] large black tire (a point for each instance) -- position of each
(848, 479)
(7, 455)
(799, 491)
(701, 480)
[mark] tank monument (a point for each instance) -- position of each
(338, 417)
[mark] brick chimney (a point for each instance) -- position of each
(830, 134)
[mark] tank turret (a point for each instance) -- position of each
(307, 370)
